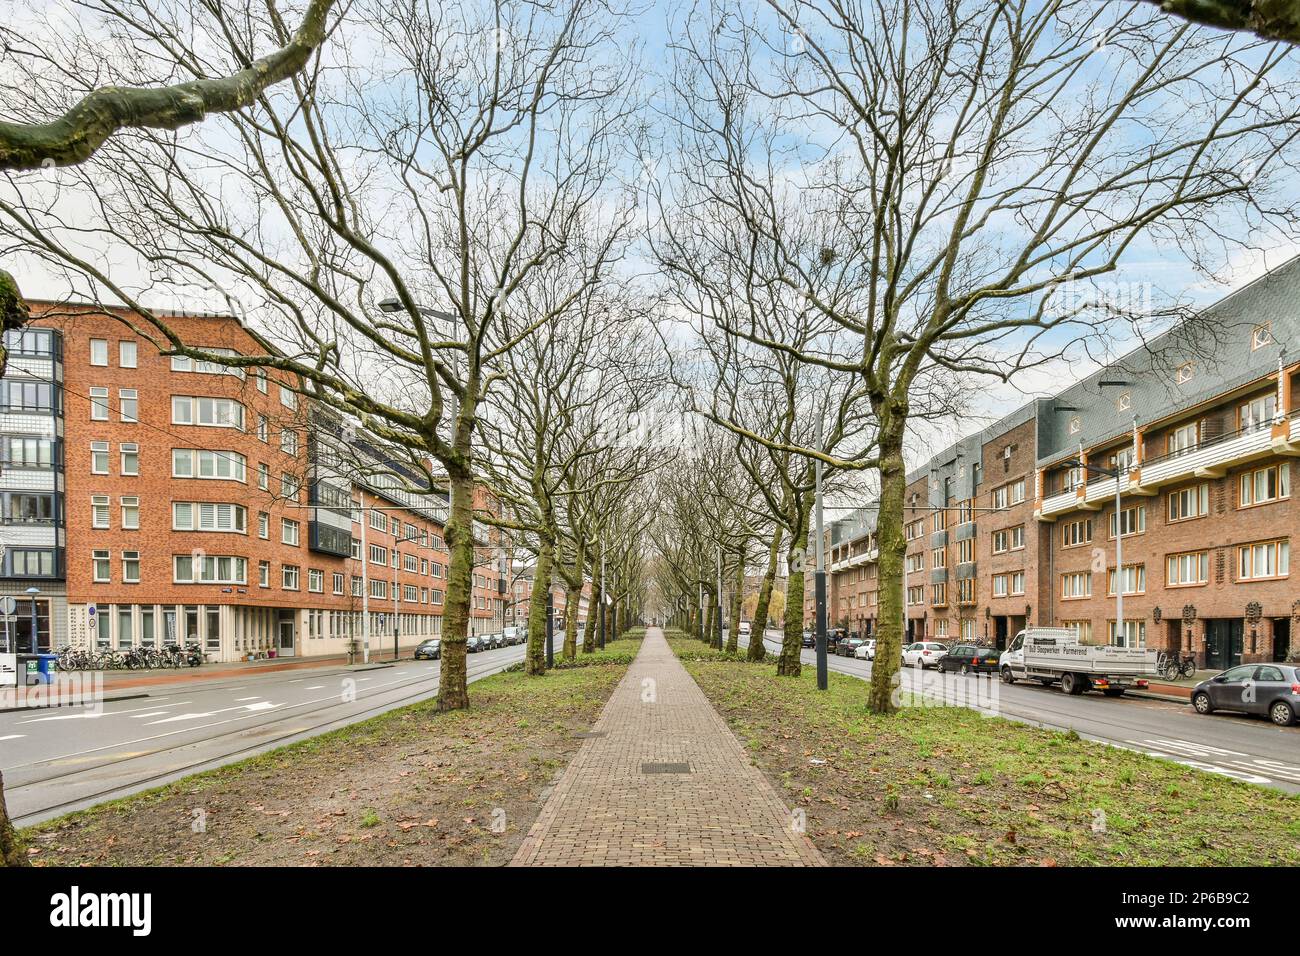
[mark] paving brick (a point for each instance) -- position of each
(604, 811)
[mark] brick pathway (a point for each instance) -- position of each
(605, 811)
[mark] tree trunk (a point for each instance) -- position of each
(571, 598)
(535, 658)
(453, 680)
(737, 597)
(789, 663)
(11, 850)
(758, 629)
(893, 546)
(710, 618)
(592, 634)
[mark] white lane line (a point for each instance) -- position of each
(151, 713)
(12, 736)
(315, 687)
(186, 730)
(153, 705)
(240, 700)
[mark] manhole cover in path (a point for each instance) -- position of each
(665, 768)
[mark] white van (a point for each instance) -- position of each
(743, 630)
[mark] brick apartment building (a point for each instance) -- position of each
(1016, 525)
(519, 595)
(151, 499)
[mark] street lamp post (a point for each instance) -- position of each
(603, 597)
(719, 556)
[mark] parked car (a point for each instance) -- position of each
(743, 630)
(430, 650)
(833, 637)
(970, 658)
(474, 644)
(848, 646)
(1271, 690)
(866, 650)
(923, 654)
(516, 634)
(809, 639)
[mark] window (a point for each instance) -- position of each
(1184, 439)
(126, 354)
(1001, 497)
(147, 638)
(130, 458)
(130, 567)
(911, 531)
(356, 549)
(939, 558)
(1190, 568)
(99, 351)
(1083, 630)
(1076, 584)
(128, 404)
(1257, 413)
(289, 577)
(999, 585)
(263, 476)
(199, 568)
(915, 562)
(338, 583)
(1189, 503)
(966, 551)
(263, 429)
(1132, 521)
(259, 378)
(1075, 533)
(378, 555)
(208, 516)
(939, 520)
(208, 412)
(23, 452)
(98, 404)
(289, 486)
(915, 595)
(29, 508)
(1133, 578)
(1265, 485)
(288, 398)
(130, 513)
(31, 562)
(357, 586)
(215, 465)
(289, 441)
(1122, 460)
(1267, 559)
(1261, 335)
(1002, 539)
(378, 588)
(315, 580)
(1018, 583)
(264, 574)
(183, 363)
(435, 596)
(1135, 634)
(966, 591)
(1018, 492)
(1185, 372)
(1017, 537)
(99, 517)
(35, 397)
(263, 525)
(410, 593)
(939, 594)
(102, 570)
(99, 458)
(288, 532)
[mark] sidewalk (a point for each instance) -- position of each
(663, 782)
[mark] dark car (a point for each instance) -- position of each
(970, 658)
(809, 639)
(833, 637)
(430, 650)
(1271, 690)
(475, 644)
(848, 646)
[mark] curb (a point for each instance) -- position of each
(80, 703)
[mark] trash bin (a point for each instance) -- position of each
(47, 667)
(29, 670)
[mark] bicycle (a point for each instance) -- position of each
(1171, 667)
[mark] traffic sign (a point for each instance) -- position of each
(8, 606)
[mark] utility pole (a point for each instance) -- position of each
(820, 577)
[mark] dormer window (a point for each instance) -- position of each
(1185, 373)
(1125, 402)
(1261, 335)
(1076, 425)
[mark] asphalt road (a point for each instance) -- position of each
(1244, 748)
(63, 759)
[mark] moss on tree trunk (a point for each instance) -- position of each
(757, 650)
(893, 545)
(453, 680)
(535, 659)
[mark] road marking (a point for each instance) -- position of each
(12, 736)
(178, 717)
(240, 700)
(315, 687)
(152, 713)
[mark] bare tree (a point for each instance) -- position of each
(439, 164)
(971, 158)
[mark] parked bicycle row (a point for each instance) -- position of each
(137, 658)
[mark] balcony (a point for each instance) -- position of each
(1210, 458)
